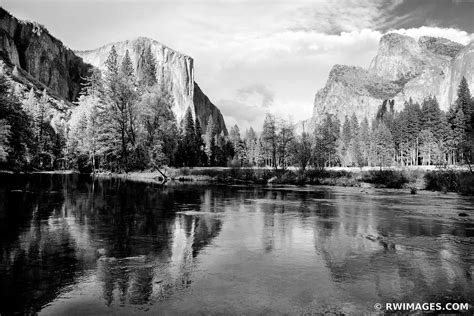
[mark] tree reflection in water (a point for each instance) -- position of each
(71, 241)
(55, 228)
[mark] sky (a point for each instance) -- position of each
(254, 57)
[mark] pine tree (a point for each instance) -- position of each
(209, 141)
(41, 116)
(201, 155)
(270, 139)
(234, 136)
(326, 137)
(409, 121)
(189, 146)
(147, 68)
(364, 141)
(430, 115)
(126, 68)
(429, 149)
(285, 137)
(115, 116)
(251, 146)
(382, 146)
(16, 135)
(111, 65)
(460, 118)
(346, 138)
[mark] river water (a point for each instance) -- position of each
(73, 246)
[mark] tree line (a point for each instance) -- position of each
(123, 120)
(419, 134)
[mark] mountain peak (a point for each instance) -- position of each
(135, 44)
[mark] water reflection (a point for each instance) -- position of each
(99, 246)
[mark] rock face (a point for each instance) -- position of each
(30, 46)
(204, 109)
(175, 74)
(403, 68)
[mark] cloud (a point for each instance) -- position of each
(263, 95)
(242, 114)
(449, 33)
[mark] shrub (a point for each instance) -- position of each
(84, 164)
(386, 178)
(446, 180)
(466, 183)
(289, 177)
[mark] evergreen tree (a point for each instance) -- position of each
(364, 135)
(344, 143)
(430, 115)
(126, 68)
(16, 135)
(209, 141)
(201, 155)
(382, 146)
(270, 139)
(460, 118)
(355, 152)
(234, 136)
(429, 149)
(147, 69)
(118, 117)
(285, 137)
(326, 137)
(158, 133)
(410, 127)
(251, 147)
(188, 148)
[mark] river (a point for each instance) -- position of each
(73, 245)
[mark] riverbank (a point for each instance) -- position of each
(412, 179)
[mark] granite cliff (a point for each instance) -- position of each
(403, 68)
(43, 62)
(44, 59)
(175, 74)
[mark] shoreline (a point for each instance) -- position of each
(457, 180)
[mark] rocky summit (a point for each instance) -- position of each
(402, 69)
(45, 63)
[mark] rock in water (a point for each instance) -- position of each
(402, 69)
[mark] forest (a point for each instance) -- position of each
(123, 122)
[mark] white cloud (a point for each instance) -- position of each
(449, 33)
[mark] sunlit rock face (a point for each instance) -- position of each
(402, 69)
(174, 72)
(30, 47)
(348, 90)
(462, 66)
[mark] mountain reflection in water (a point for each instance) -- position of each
(69, 243)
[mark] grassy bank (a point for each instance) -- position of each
(446, 180)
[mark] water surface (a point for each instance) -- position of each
(71, 245)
